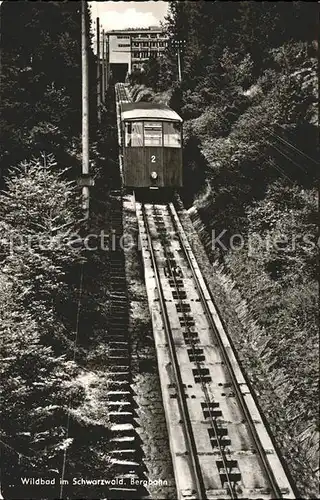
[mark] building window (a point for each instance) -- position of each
(124, 45)
(123, 36)
(134, 135)
(171, 135)
(153, 133)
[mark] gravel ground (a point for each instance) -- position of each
(145, 377)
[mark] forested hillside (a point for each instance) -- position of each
(47, 414)
(249, 96)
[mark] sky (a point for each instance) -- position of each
(122, 15)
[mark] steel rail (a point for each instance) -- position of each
(191, 445)
(271, 478)
(213, 424)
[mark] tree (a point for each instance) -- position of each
(41, 79)
(34, 397)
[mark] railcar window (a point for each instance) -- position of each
(171, 135)
(152, 133)
(134, 135)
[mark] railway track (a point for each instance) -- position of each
(122, 93)
(219, 444)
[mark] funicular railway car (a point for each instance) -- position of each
(152, 146)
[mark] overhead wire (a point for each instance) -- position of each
(27, 457)
(303, 153)
(70, 396)
(289, 151)
(289, 144)
(279, 169)
(283, 153)
(288, 158)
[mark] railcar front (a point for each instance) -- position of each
(152, 146)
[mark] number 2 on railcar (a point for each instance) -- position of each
(152, 146)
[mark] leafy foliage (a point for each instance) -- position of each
(276, 271)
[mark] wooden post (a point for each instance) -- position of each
(98, 72)
(85, 108)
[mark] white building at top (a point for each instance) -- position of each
(130, 48)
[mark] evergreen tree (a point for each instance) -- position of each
(41, 80)
(38, 214)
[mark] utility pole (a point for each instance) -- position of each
(98, 72)
(107, 59)
(85, 110)
(179, 64)
(178, 44)
(103, 69)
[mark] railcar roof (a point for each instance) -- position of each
(132, 111)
